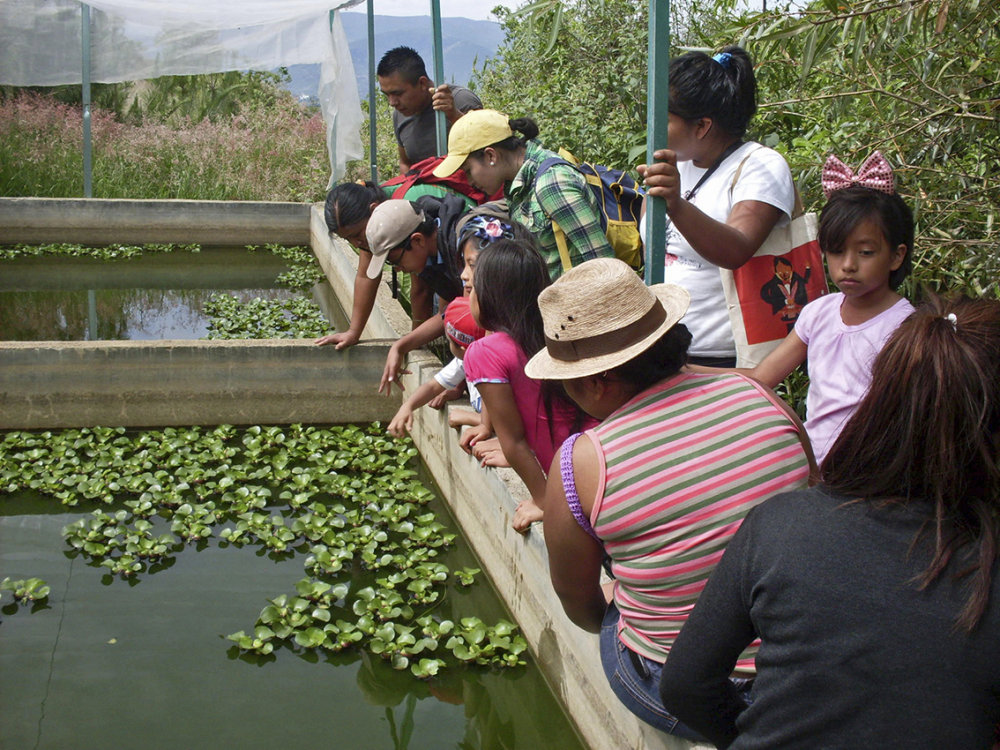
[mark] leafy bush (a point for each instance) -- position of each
(587, 91)
(267, 151)
(916, 80)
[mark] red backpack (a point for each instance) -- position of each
(423, 173)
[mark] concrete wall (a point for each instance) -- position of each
(159, 383)
(133, 384)
(44, 384)
(102, 222)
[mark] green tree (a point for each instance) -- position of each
(919, 81)
(577, 68)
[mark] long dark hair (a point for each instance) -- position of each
(928, 432)
(510, 274)
(349, 203)
(722, 87)
(847, 208)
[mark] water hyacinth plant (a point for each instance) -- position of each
(26, 591)
(232, 318)
(108, 252)
(347, 499)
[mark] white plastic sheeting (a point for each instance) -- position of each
(40, 45)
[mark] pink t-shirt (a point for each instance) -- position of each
(840, 363)
(498, 359)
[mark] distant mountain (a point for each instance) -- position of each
(466, 42)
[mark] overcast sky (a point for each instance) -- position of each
(478, 9)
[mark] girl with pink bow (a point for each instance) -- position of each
(866, 234)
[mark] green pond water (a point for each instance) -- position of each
(155, 296)
(144, 662)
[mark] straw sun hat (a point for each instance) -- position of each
(599, 315)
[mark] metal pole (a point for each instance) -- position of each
(85, 62)
(657, 94)
(92, 315)
(372, 102)
(439, 121)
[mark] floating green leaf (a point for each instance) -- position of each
(373, 576)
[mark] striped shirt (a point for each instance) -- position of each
(561, 193)
(680, 465)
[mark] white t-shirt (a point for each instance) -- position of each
(452, 375)
(765, 177)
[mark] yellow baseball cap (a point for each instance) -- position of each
(472, 131)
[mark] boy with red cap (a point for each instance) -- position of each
(461, 329)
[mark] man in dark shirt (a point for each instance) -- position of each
(402, 77)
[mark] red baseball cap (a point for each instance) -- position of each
(459, 325)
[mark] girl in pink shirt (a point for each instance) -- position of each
(866, 233)
(531, 419)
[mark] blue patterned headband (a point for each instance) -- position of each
(487, 229)
(723, 59)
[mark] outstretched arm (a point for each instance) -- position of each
(774, 368)
(402, 423)
(365, 291)
(426, 332)
(779, 364)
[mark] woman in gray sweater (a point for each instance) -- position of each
(876, 595)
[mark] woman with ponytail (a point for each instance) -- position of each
(484, 143)
(875, 595)
(712, 221)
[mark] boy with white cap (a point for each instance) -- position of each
(403, 235)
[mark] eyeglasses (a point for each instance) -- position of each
(399, 250)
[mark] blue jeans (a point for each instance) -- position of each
(636, 681)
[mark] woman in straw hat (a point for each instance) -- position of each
(662, 484)
(484, 143)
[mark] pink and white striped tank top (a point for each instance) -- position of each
(680, 465)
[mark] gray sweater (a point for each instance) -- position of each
(852, 655)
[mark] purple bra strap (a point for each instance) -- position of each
(569, 486)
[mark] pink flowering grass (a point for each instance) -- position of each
(277, 154)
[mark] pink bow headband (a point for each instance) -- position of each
(874, 174)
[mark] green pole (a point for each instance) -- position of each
(439, 121)
(372, 103)
(657, 93)
(85, 86)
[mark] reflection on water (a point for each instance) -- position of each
(119, 314)
(156, 296)
(112, 665)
